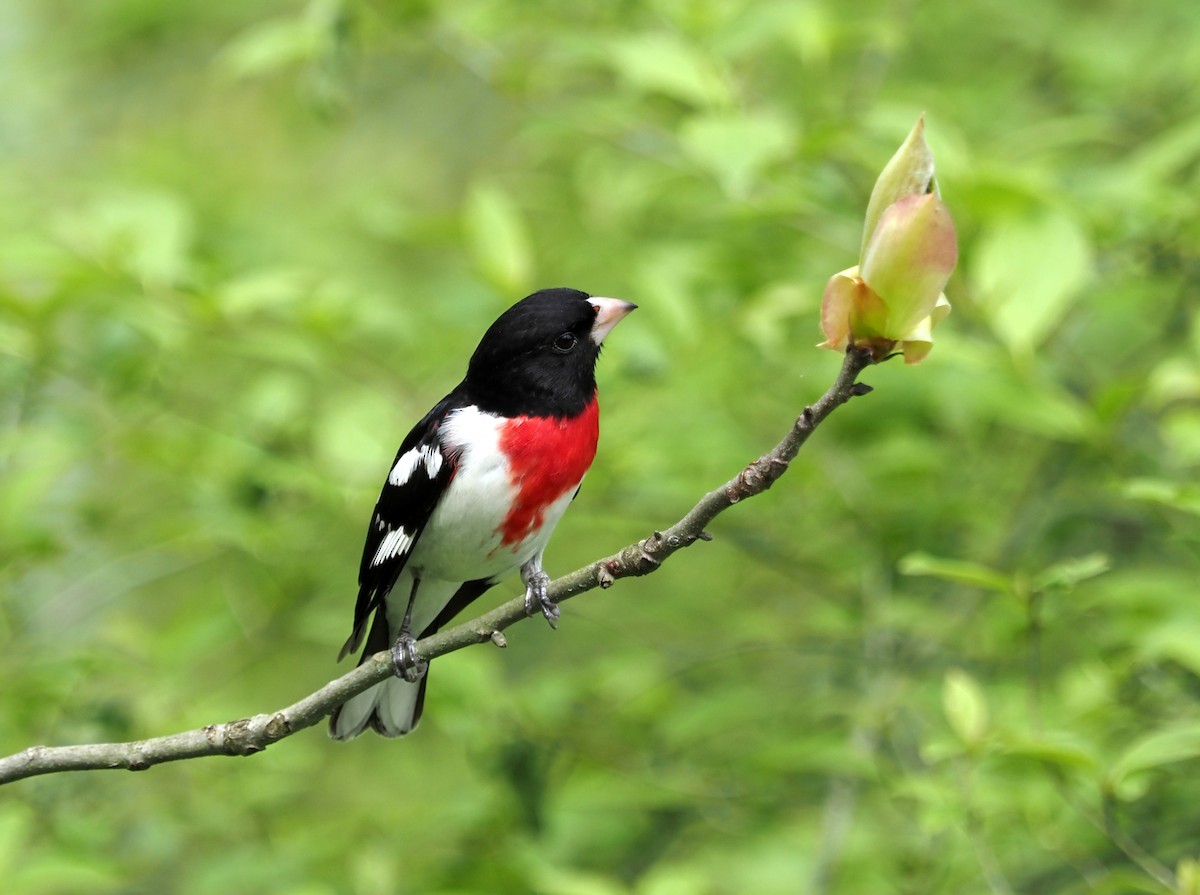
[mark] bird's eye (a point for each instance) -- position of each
(564, 343)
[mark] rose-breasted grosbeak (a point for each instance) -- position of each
(476, 490)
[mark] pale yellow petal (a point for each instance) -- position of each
(836, 306)
(919, 342)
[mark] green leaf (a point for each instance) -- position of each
(1067, 573)
(498, 238)
(955, 570)
(1028, 272)
(283, 42)
(736, 148)
(1062, 750)
(1180, 429)
(274, 289)
(145, 233)
(1161, 157)
(1176, 379)
(664, 63)
(1152, 751)
(1177, 496)
(1177, 639)
(965, 706)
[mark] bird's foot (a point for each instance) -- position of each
(538, 599)
(405, 660)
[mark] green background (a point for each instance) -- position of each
(243, 246)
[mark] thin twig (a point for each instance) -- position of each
(247, 736)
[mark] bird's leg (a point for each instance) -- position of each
(405, 660)
(536, 598)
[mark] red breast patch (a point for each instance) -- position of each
(547, 456)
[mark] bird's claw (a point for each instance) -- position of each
(537, 598)
(405, 661)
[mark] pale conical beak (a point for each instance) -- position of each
(609, 312)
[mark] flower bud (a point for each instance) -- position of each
(908, 173)
(894, 295)
(909, 259)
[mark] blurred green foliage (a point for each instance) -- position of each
(243, 246)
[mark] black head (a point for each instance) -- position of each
(539, 357)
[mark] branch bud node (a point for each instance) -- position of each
(278, 727)
(604, 575)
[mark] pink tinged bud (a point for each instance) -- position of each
(896, 295)
(909, 173)
(908, 260)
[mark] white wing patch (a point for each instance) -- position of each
(394, 543)
(428, 454)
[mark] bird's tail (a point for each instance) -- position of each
(392, 707)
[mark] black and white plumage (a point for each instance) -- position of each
(476, 490)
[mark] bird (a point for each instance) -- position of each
(475, 492)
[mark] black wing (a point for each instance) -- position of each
(418, 478)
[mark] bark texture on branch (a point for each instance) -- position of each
(246, 736)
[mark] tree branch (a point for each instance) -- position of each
(247, 736)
